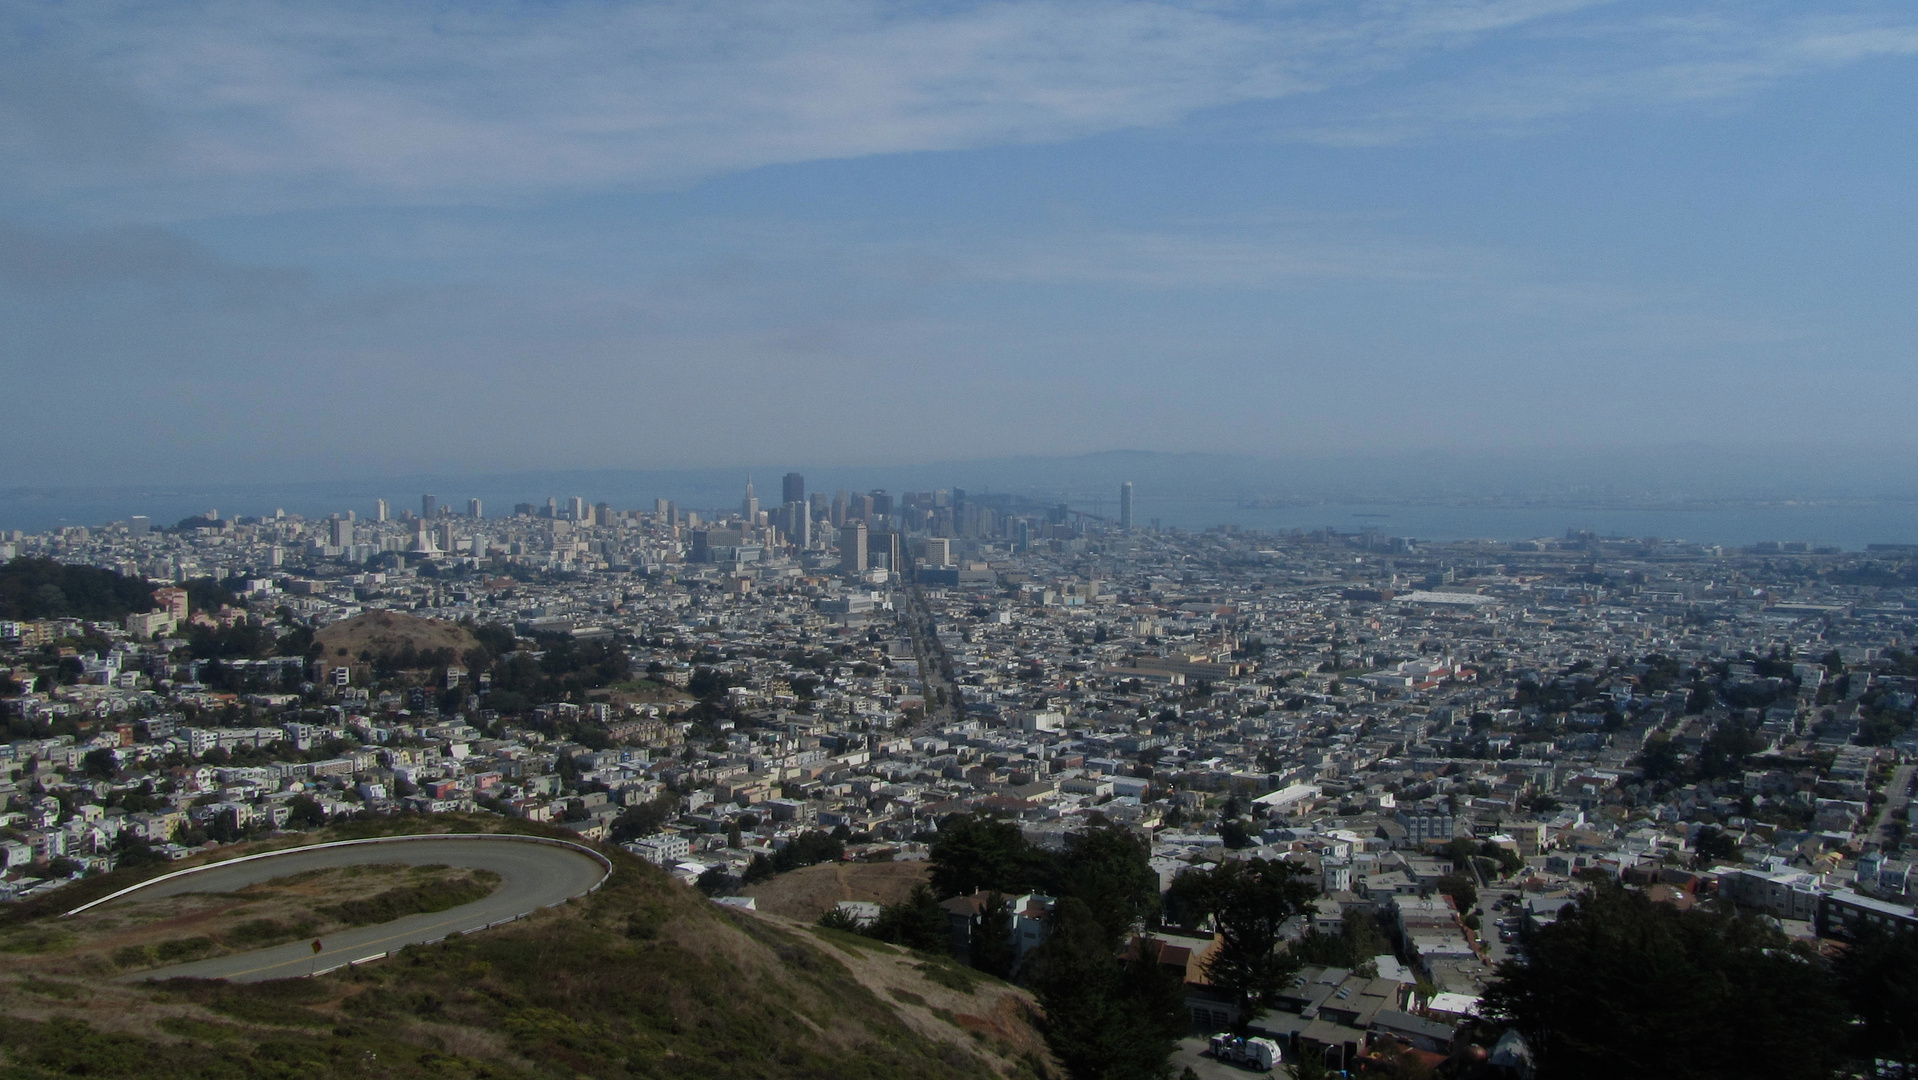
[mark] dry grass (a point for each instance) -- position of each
(810, 892)
(387, 632)
(644, 978)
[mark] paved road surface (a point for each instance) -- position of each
(532, 876)
(1897, 797)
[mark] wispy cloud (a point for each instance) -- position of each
(270, 103)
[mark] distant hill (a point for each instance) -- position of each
(402, 640)
(45, 589)
(645, 978)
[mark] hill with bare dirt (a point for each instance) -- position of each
(399, 640)
(806, 894)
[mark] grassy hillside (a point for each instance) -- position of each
(644, 978)
(404, 640)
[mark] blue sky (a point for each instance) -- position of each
(262, 240)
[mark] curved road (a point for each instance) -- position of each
(532, 876)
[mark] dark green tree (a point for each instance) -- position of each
(1620, 986)
(1106, 1018)
(977, 851)
(1109, 870)
(991, 948)
(917, 922)
(1252, 899)
(1878, 975)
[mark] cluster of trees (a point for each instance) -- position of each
(46, 589)
(1111, 1010)
(807, 849)
(1621, 986)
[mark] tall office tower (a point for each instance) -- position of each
(602, 514)
(139, 525)
(352, 515)
(552, 507)
(661, 513)
(881, 504)
(749, 506)
(446, 536)
(340, 532)
(1125, 506)
(852, 548)
(429, 505)
(795, 488)
(798, 524)
(883, 547)
(861, 509)
(821, 506)
(841, 508)
(575, 508)
(473, 509)
(381, 512)
(938, 551)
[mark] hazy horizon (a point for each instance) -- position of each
(260, 242)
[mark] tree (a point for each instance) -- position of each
(1109, 870)
(305, 812)
(917, 922)
(991, 948)
(1714, 846)
(1106, 1018)
(1620, 986)
(977, 851)
(1461, 888)
(1878, 974)
(101, 764)
(1252, 899)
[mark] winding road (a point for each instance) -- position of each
(533, 874)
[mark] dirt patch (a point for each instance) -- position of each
(808, 893)
(406, 639)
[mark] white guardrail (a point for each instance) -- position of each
(603, 861)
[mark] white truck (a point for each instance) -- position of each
(1260, 1054)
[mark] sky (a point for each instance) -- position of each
(272, 240)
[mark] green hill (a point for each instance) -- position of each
(645, 978)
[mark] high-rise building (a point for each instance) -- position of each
(852, 548)
(841, 508)
(798, 524)
(749, 506)
(795, 488)
(429, 505)
(552, 507)
(139, 525)
(473, 509)
(380, 511)
(576, 509)
(341, 532)
(446, 536)
(1125, 506)
(602, 513)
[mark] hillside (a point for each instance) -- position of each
(807, 893)
(403, 640)
(644, 978)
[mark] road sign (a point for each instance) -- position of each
(316, 945)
